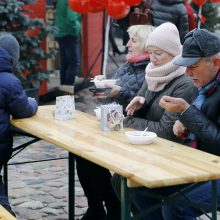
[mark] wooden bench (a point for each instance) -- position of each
(5, 215)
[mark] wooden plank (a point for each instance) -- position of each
(162, 163)
(5, 215)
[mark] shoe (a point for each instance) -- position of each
(94, 214)
(68, 89)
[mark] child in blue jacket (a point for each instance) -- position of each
(13, 102)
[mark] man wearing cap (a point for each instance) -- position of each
(201, 56)
(13, 102)
(199, 124)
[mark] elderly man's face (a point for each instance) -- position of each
(203, 72)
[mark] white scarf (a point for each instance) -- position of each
(158, 77)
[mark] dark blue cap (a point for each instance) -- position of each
(197, 44)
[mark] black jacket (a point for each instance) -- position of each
(173, 11)
(205, 124)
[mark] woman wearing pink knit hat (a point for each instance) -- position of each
(162, 78)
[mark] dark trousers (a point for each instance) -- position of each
(69, 47)
(96, 183)
(175, 211)
(3, 198)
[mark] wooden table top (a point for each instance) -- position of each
(162, 163)
(5, 215)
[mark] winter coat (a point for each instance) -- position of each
(67, 21)
(156, 118)
(173, 11)
(13, 101)
(205, 124)
(131, 77)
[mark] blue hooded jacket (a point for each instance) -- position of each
(13, 101)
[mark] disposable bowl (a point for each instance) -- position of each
(135, 137)
(101, 83)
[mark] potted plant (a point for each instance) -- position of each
(30, 33)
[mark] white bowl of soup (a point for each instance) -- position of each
(102, 83)
(138, 137)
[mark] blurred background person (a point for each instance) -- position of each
(173, 11)
(68, 24)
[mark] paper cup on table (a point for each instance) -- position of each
(65, 108)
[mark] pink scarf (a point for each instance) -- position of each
(135, 58)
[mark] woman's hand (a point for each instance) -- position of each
(114, 90)
(99, 77)
(171, 104)
(135, 104)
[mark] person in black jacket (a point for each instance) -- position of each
(198, 124)
(13, 102)
(173, 11)
(96, 180)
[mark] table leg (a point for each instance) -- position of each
(71, 186)
(214, 200)
(125, 200)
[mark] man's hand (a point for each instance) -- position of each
(171, 104)
(180, 130)
(135, 104)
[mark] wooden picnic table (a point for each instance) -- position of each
(5, 215)
(162, 163)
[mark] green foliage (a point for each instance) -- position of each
(210, 11)
(212, 15)
(13, 19)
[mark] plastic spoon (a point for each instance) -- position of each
(144, 131)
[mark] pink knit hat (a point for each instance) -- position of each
(166, 37)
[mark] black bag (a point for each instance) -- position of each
(142, 14)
